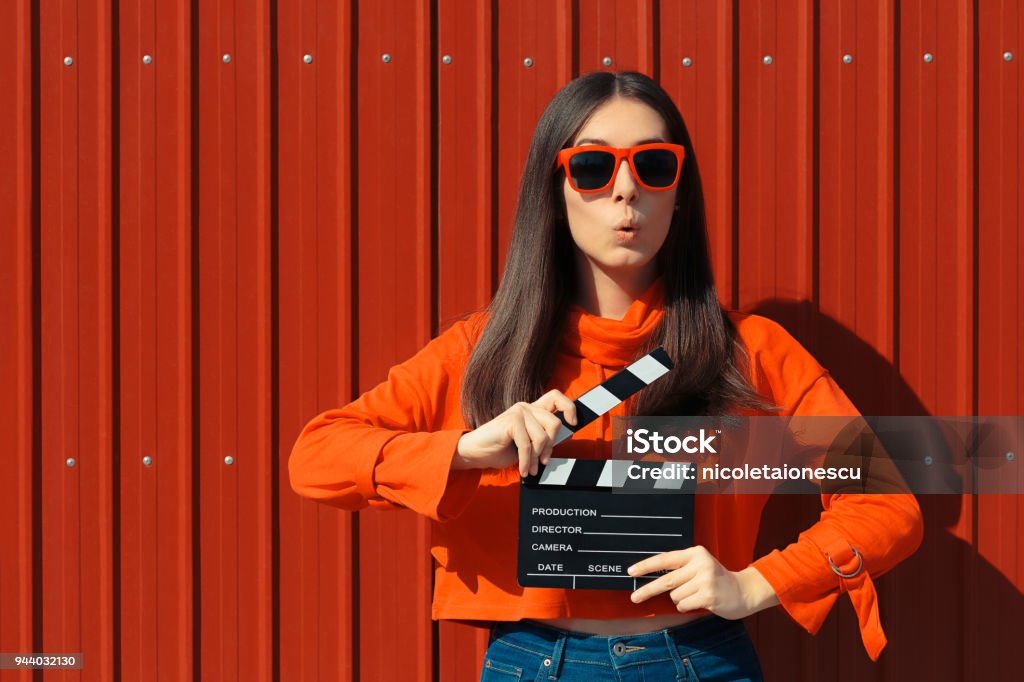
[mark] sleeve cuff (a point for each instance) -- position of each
(809, 608)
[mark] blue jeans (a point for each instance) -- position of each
(710, 648)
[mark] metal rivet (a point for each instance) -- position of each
(229, 460)
(1010, 456)
(226, 59)
(687, 62)
(147, 460)
(527, 62)
(1008, 56)
(70, 461)
(928, 460)
(386, 58)
(928, 57)
(68, 61)
(847, 59)
(767, 59)
(547, 662)
(607, 61)
(146, 59)
(447, 59)
(308, 58)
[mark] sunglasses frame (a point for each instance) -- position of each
(565, 155)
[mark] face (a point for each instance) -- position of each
(620, 230)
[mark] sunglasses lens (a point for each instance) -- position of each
(591, 170)
(656, 167)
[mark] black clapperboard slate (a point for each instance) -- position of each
(583, 522)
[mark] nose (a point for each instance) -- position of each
(625, 187)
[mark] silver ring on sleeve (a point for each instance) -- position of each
(860, 565)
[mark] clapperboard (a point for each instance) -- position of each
(583, 522)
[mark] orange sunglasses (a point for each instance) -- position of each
(592, 168)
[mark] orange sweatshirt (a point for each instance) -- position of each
(393, 447)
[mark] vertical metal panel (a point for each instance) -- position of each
(465, 208)
(155, 364)
(76, 327)
(175, 371)
(936, 222)
(137, 275)
(465, 236)
(18, 389)
(539, 31)
(997, 570)
(395, 309)
(856, 133)
(234, 339)
(775, 192)
(934, 294)
(465, 154)
(252, 430)
(1000, 227)
(702, 88)
(616, 35)
(314, 275)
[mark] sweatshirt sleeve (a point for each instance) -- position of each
(393, 446)
(860, 536)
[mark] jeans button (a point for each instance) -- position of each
(619, 648)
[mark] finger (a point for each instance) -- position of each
(556, 400)
(551, 425)
(539, 434)
(665, 583)
(688, 597)
(658, 562)
(538, 439)
(523, 444)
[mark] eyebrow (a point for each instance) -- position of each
(593, 140)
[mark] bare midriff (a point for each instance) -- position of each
(620, 626)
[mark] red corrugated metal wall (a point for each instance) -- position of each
(222, 217)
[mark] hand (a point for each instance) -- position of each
(697, 581)
(524, 432)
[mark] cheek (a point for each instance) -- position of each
(574, 204)
(660, 214)
(580, 215)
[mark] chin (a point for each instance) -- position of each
(627, 262)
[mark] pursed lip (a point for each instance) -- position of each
(627, 225)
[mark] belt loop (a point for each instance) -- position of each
(555, 666)
(677, 659)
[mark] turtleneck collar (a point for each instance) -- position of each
(614, 343)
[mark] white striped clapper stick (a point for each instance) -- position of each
(615, 389)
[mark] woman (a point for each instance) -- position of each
(608, 259)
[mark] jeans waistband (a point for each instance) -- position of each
(676, 643)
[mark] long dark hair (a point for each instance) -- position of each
(515, 355)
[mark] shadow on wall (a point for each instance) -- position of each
(948, 613)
